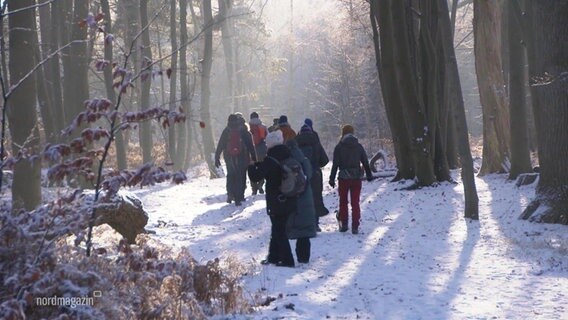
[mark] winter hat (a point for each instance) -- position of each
(283, 121)
(274, 138)
(309, 123)
(306, 128)
(346, 129)
(232, 118)
(253, 115)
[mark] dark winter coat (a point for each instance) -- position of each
(310, 145)
(302, 221)
(268, 169)
(348, 156)
(236, 165)
(247, 147)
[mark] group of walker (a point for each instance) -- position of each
(260, 151)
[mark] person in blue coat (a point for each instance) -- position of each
(302, 221)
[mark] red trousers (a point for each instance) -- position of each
(353, 187)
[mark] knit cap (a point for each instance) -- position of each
(283, 121)
(274, 138)
(346, 129)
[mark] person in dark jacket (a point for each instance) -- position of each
(348, 156)
(302, 221)
(236, 161)
(258, 131)
(308, 122)
(310, 145)
(278, 206)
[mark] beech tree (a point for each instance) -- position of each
(520, 153)
(493, 96)
(21, 105)
(548, 56)
(207, 61)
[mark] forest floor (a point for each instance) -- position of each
(415, 258)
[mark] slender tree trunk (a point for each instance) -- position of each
(496, 132)
(21, 108)
(145, 127)
(182, 131)
(225, 7)
(453, 85)
(111, 95)
(44, 98)
(53, 68)
(520, 153)
(208, 142)
(76, 65)
(548, 54)
(173, 82)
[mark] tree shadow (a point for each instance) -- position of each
(349, 288)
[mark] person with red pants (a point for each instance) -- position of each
(348, 156)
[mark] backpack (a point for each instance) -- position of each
(258, 133)
(234, 146)
(293, 178)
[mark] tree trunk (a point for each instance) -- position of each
(453, 85)
(383, 40)
(145, 127)
(54, 69)
(44, 98)
(111, 95)
(520, 153)
(415, 113)
(76, 64)
(548, 54)
(21, 108)
(182, 128)
(172, 147)
(496, 132)
(207, 61)
(225, 7)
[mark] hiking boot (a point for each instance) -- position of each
(229, 198)
(237, 203)
(355, 231)
(266, 262)
(261, 191)
(342, 226)
(254, 192)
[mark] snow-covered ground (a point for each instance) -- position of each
(415, 258)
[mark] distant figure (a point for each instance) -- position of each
(286, 129)
(236, 145)
(348, 156)
(278, 206)
(310, 145)
(259, 133)
(308, 122)
(274, 125)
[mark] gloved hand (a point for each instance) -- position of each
(217, 163)
(370, 178)
(332, 183)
